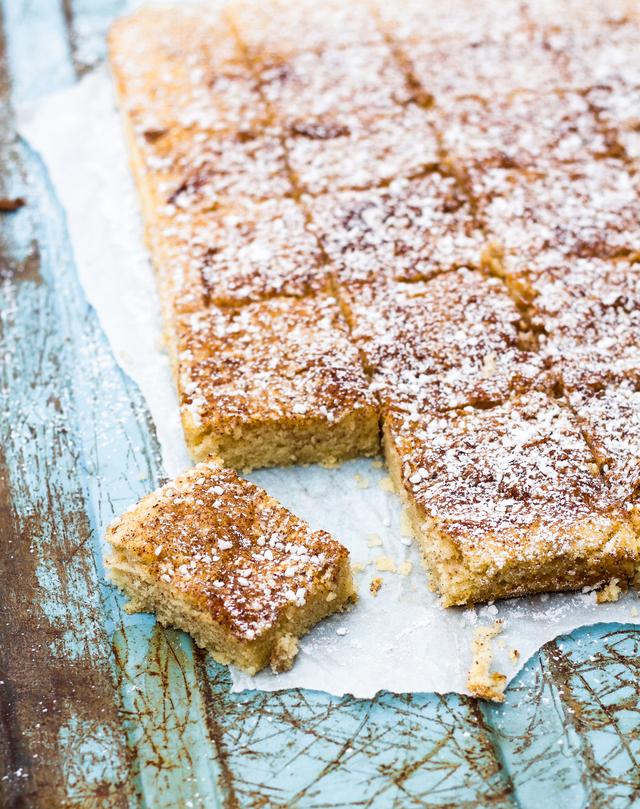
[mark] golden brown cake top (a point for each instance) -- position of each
(501, 478)
(409, 230)
(287, 357)
(584, 308)
(226, 545)
(457, 320)
(610, 419)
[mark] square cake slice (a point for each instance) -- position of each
(408, 230)
(214, 555)
(274, 383)
(457, 320)
(508, 501)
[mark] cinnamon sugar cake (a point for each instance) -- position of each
(416, 215)
(216, 556)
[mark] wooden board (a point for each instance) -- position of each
(99, 709)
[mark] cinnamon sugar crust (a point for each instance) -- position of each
(587, 308)
(341, 153)
(508, 501)
(559, 212)
(454, 320)
(482, 386)
(214, 555)
(527, 130)
(249, 250)
(411, 230)
(277, 382)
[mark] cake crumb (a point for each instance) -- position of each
(514, 656)
(386, 484)
(406, 529)
(405, 568)
(376, 584)
(358, 567)
(331, 463)
(377, 464)
(432, 587)
(634, 612)
(284, 653)
(489, 364)
(172, 564)
(501, 644)
(373, 540)
(610, 592)
(384, 563)
(481, 682)
(361, 482)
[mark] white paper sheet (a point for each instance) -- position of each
(401, 640)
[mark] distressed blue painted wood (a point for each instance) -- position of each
(99, 709)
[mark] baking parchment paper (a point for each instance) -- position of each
(401, 640)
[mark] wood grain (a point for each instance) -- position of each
(100, 709)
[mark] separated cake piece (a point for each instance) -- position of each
(508, 501)
(214, 555)
(276, 382)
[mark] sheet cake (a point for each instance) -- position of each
(423, 215)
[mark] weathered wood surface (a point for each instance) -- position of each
(98, 709)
